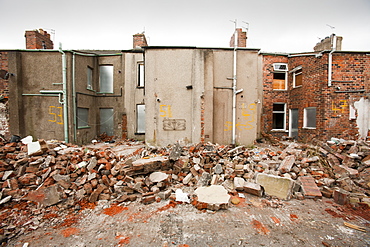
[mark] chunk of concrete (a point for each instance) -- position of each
(276, 186)
(253, 188)
(156, 177)
(34, 148)
(181, 196)
(213, 197)
(239, 183)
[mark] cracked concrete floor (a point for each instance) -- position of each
(250, 223)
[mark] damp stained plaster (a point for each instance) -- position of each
(363, 116)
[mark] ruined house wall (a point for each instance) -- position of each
(341, 109)
(4, 93)
(189, 96)
(271, 96)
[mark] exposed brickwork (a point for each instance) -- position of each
(38, 39)
(139, 40)
(350, 75)
(242, 38)
(271, 96)
(4, 90)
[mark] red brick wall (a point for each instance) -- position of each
(350, 72)
(271, 96)
(4, 90)
(242, 38)
(139, 40)
(37, 39)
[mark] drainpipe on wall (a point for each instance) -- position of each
(234, 86)
(330, 59)
(64, 102)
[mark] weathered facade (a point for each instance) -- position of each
(165, 95)
(189, 95)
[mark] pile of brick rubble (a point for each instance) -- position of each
(50, 173)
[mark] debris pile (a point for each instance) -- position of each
(51, 172)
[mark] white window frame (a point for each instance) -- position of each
(305, 118)
(279, 112)
(296, 71)
(140, 119)
(285, 83)
(140, 75)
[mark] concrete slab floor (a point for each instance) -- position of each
(253, 222)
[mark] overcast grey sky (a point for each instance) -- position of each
(274, 25)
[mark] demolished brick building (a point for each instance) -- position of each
(184, 93)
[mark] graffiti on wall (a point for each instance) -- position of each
(56, 113)
(339, 107)
(165, 111)
(170, 124)
(248, 114)
(174, 124)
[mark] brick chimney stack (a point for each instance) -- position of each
(242, 38)
(139, 40)
(38, 39)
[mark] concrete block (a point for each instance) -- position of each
(253, 188)
(34, 148)
(239, 183)
(276, 186)
(156, 177)
(214, 197)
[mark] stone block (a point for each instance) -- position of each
(276, 186)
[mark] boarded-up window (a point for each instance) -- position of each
(106, 78)
(279, 81)
(297, 78)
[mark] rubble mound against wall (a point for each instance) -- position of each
(56, 173)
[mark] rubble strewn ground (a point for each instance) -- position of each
(55, 192)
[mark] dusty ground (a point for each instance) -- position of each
(253, 222)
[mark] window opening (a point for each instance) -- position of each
(309, 120)
(278, 113)
(140, 119)
(82, 117)
(106, 78)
